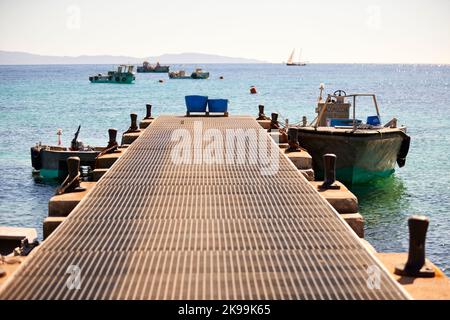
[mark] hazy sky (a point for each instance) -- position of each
(409, 31)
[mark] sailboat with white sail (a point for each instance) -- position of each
(291, 62)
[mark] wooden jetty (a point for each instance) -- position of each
(155, 229)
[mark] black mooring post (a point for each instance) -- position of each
(133, 126)
(261, 115)
(261, 109)
(329, 171)
(293, 140)
(416, 265)
(148, 114)
(274, 121)
(112, 133)
(72, 182)
(73, 167)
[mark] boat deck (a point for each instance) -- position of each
(155, 229)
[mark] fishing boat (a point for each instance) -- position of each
(50, 162)
(124, 74)
(181, 74)
(364, 150)
(291, 62)
(199, 74)
(148, 68)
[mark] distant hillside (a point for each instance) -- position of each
(8, 57)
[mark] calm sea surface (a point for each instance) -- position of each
(37, 100)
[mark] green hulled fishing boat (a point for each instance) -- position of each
(124, 74)
(50, 162)
(364, 150)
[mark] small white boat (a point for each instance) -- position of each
(181, 74)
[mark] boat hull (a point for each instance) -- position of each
(360, 157)
(200, 75)
(122, 79)
(180, 77)
(52, 164)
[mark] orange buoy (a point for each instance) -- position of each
(253, 90)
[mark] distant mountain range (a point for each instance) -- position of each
(8, 57)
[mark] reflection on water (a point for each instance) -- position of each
(382, 195)
(384, 204)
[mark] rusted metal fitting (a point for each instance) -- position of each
(274, 121)
(416, 265)
(133, 127)
(112, 143)
(261, 115)
(292, 136)
(148, 114)
(72, 182)
(112, 133)
(329, 171)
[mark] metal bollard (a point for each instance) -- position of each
(133, 127)
(416, 265)
(112, 133)
(274, 121)
(72, 182)
(329, 171)
(293, 140)
(261, 115)
(149, 111)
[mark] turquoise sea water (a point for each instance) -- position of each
(37, 100)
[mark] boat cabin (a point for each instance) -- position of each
(125, 68)
(335, 112)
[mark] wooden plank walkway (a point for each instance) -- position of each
(156, 229)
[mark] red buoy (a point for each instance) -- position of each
(253, 90)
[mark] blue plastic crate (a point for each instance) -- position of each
(196, 103)
(338, 122)
(217, 105)
(374, 120)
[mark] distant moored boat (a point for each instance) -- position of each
(124, 74)
(148, 68)
(197, 74)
